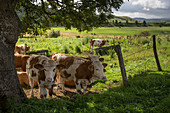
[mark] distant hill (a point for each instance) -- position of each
(125, 21)
(153, 20)
(123, 18)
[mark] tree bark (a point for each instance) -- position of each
(10, 27)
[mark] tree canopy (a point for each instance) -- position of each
(81, 14)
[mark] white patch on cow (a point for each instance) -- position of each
(97, 42)
(72, 69)
(59, 57)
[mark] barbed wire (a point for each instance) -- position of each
(134, 53)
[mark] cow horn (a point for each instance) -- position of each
(44, 62)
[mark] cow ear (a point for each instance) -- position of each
(44, 61)
(91, 67)
(90, 40)
(101, 59)
(104, 64)
(54, 58)
(38, 66)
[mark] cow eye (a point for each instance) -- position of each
(97, 69)
(53, 70)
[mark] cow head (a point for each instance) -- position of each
(54, 57)
(47, 71)
(27, 48)
(98, 70)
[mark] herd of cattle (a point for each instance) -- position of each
(59, 70)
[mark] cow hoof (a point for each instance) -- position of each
(64, 92)
(57, 88)
(91, 52)
(79, 92)
(50, 97)
(43, 96)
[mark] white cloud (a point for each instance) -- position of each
(136, 14)
(145, 9)
(150, 3)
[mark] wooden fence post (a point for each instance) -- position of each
(155, 53)
(121, 64)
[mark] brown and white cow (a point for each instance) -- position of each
(21, 49)
(96, 42)
(42, 69)
(79, 69)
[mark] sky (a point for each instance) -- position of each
(145, 9)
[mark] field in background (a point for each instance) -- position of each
(123, 31)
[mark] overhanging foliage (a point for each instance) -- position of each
(83, 14)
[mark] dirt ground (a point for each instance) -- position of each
(73, 35)
(70, 92)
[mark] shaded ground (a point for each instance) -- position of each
(70, 92)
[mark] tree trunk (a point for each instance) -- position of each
(10, 27)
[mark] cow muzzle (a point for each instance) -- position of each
(104, 78)
(49, 80)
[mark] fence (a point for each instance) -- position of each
(151, 50)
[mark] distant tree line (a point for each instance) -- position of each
(116, 23)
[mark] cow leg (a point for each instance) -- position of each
(51, 92)
(31, 82)
(78, 86)
(89, 46)
(62, 84)
(43, 92)
(84, 89)
(84, 85)
(92, 49)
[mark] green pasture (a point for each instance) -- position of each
(149, 90)
(123, 31)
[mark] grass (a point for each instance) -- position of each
(123, 31)
(149, 90)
